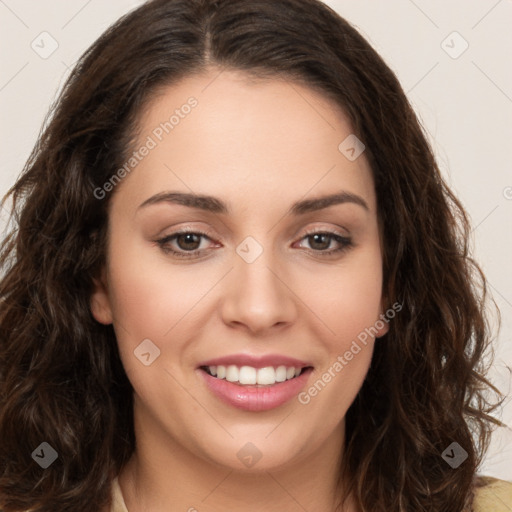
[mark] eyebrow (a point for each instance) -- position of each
(215, 205)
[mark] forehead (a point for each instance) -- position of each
(224, 134)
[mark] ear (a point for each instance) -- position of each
(382, 324)
(100, 301)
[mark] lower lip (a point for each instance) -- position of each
(252, 398)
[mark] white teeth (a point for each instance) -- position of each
(281, 374)
(221, 371)
(266, 375)
(247, 375)
(232, 373)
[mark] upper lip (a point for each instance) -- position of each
(256, 361)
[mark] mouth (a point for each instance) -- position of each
(254, 389)
(249, 376)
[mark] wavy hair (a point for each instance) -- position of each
(61, 378)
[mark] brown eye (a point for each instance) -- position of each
(319, 242)
(186, 243)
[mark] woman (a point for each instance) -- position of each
(319, 344)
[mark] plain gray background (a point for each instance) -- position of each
(453, 59)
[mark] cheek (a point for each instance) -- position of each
(153, 299)
(349, 305)
(147, 304)
(352, 316)
(346, 297)
(149, 295)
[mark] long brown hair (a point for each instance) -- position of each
(61, 378)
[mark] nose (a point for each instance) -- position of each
(258, 295)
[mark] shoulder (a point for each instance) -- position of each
(492, 494)
(118, 504)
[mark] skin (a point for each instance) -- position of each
(259, 146)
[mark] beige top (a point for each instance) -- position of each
(494, 496)
(118, 504)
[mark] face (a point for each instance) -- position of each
(244, 329)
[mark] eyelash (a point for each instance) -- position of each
(345, 243)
